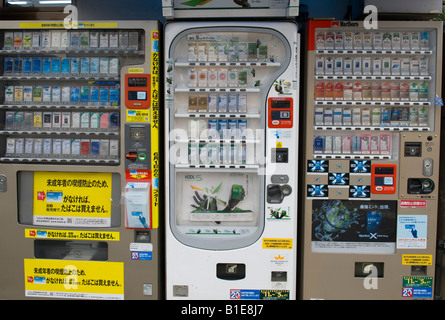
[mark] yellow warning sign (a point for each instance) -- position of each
(61, 25)
(155, 107)
(277, 243)
(135, 70)
(72, 199)
(74, 279)
(417, 260)
(72, 235)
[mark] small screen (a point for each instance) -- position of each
(280, 104)
(137, 82)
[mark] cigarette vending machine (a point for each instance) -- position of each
(79, 160)
(231, 136)
(372, 160)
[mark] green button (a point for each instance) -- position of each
(142, 156)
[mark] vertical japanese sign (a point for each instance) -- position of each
(74, 279)
(155, 127)
(72, 199)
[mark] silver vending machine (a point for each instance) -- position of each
(79, 160)
(372, 136)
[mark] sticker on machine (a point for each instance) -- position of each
(277, 243)
(317, 166)
(72, 234)
(417, 287)
(354, 226)
(417, 259)
(412, 203)
(72, 199)
(74, 279)
(412, 231)
(317, 191)
(278, 134)
(278, 213)
(141, 251)
(252, 294)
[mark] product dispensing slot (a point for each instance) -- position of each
(71, 250)
(230, 271)
(366, 269)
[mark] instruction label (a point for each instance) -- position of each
(71, 235)
(72, 199)
(276, 243)
(417, 260)
(412, 231)
(74, 279)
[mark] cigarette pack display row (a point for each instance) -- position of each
(226, 51)
(44, 66)
(72, 121)
(216, 153)
(70, 39)
(61, 147)
(219, 78)
(372, 66)
(371, 116)
(217, 129)
(372, 90)
(218, 103)
(372, 40)
(376, 144)
(95, 95)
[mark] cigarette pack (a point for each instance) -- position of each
(38, 144)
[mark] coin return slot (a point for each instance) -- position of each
(418, 270)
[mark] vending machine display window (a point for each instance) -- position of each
(60, 94)
(217, 80)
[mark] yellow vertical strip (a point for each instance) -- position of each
(155, 127)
